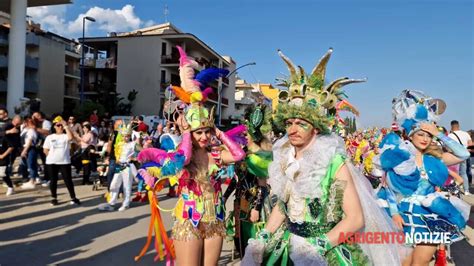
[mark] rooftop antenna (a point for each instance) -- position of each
(166, 12)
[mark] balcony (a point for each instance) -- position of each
(71, 92)
(3, 61)
(3, 40)
(31, 85)
(31, 62)
(72, 73)
(32, 39)
(3, 85)
(108, 63)
(170, 59)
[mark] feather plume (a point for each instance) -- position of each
(152, 155)
(206, 92)
(181, 94)
(149, 179)
(346, 106)
(237, 134)
(207, 75)
(186, 72)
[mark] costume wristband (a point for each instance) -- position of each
(263, 235)
(233, 147)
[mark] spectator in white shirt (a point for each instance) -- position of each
(463, 138)
(58, 159)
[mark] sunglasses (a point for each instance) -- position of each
(58, 125)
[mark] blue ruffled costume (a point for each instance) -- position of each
(410, 192)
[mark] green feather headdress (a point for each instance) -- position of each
(258, 122)
(307, 97)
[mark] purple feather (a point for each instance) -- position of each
(206, 92)
(210, 74)
(237, 134)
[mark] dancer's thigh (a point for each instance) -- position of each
(188, 252)
(212, 250)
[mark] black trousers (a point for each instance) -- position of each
(53, 171)
(86, 173)
(6, 176)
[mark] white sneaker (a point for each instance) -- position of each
(38, 181)
(467, 193)
(28, 185)
(106, 207)
(123, 208)
(10, 191)
(45, 184)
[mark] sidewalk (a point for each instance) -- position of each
(35, 233)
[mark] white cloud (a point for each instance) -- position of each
(53, 18)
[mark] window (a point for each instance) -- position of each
(163, 48)
(163, 76)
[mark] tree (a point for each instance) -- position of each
(83, 112)
(125, 107)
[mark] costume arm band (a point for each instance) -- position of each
(458, 149)
(186, 147)
(234, 148)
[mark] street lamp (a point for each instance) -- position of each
(82, 55)
(219, 102)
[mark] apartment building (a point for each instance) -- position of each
(13, 15)
(52, 70)
(146, 60)
(250, 94)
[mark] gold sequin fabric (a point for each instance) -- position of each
(186, 231)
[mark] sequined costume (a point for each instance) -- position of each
(200, 210)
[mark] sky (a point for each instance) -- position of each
(425, 45)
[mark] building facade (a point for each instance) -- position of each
(147, 61)
(16, 10)
(250, 94)
(51, 67)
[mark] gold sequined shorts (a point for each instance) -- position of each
(186, 231)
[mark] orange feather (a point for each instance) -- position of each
(181, 94)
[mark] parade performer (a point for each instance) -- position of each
(252, 206)
(413, 173)
(198, 231)
(320, 193)
(125, 171)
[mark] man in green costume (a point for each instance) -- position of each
(319, 193)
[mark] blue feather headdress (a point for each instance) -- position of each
(413, 107)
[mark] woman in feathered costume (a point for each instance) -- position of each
(413, 172)
(252, 204)
(199, 227)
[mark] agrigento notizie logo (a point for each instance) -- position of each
(395, 238)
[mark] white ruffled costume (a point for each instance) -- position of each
(293, 181)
